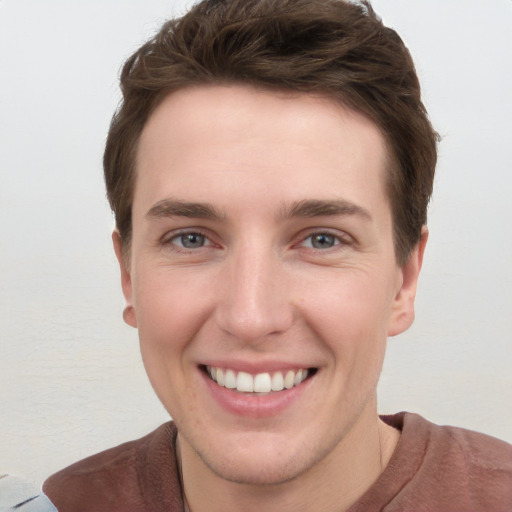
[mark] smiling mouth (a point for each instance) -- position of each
(261, 383)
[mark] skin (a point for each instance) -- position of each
(269, 286)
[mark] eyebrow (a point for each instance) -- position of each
(306, 208)
(176, 208)
(321, 208)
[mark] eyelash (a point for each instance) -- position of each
(339, 240)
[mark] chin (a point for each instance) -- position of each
(256, 474)
(261, 461)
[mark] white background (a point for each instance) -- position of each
(71, 380)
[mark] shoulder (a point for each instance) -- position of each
(454, 467)
(457, 446)
(117, 479)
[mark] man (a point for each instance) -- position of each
(270, 169)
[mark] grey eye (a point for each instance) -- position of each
(191, 240)
(323, 241)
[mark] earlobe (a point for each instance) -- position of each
(126, 280)
(402, 314)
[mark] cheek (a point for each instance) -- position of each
(170, 310)
(352, 320)
(168, 319)
(354, 306)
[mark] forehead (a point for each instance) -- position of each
(277, 143)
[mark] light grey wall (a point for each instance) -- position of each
(71, 381)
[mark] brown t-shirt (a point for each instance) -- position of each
(433, 468)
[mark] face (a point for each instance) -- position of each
(262, 276)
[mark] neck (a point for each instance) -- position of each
(333, 484)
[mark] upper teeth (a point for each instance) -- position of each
(259, 383)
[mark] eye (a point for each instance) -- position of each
(321, 241)
(190, 240)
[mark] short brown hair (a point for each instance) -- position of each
(335, 48)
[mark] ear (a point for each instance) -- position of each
(126, 279)
(402, 313)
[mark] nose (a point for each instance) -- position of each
(254, 302)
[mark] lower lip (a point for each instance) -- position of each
(254, 406)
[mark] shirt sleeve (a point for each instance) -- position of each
(20, 495)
